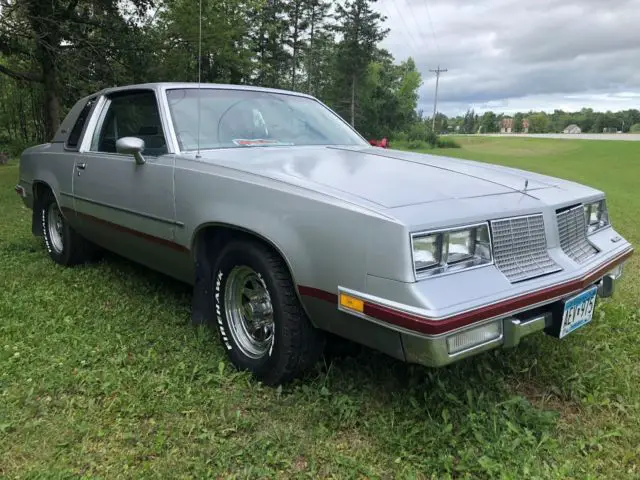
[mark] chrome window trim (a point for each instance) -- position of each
(171, 128)
(98, 126)
(422, 275)
(85, 144)
(165, 114)
(85, 127)
(100, 110)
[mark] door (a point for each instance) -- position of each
(121, 205)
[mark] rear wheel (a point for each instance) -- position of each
(261, 322)
(65, 246)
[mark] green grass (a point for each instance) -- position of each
(102, 376)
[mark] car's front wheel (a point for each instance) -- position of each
(65, 245)
(261, 323)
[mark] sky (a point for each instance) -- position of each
(510, 56)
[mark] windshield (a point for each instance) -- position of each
(246, 118)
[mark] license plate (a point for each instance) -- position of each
(578, 311)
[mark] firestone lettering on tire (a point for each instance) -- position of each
(223, 332)
(45, 231)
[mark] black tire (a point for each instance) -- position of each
(296, 344)
(73, 249)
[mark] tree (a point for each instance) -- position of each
(267, 38)
(43, 34)
(319, 37)
(388, 97)
(599, 123)
(538, 123)
(360, 31)
(410, 83)
(489, 122)
(226, 55)
(469, 122)
(517, 122)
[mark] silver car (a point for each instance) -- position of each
(290, 225)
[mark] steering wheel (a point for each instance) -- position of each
(249, 122)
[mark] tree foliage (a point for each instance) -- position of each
(587, 119)
(53, 52)
(67, 45)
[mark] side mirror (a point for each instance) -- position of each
(131, 146)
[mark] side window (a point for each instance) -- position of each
(131, 114)
(74, 136)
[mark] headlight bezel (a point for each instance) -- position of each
(601, 218)
(443, 266)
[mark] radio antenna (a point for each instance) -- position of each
(199, 71)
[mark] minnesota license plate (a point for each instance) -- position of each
(578, 311)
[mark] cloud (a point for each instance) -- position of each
(508, 55)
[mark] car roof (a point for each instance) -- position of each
(219, 86)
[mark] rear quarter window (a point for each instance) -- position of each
(78, 127)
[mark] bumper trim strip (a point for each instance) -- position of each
(435, 326)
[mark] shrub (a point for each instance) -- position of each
(416, 145)
(447, 143)
(399, 137)
(431, 138)
(635, 128)
(417, 131)
(15, 147)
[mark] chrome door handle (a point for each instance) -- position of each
(81, 165)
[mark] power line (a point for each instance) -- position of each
(413, 17)
(433, 30)
(438, 71)
(406, 26)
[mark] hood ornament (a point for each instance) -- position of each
(526, 184)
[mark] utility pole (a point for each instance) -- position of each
(435, 100)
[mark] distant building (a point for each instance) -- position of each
(573, 128)
(506, 125)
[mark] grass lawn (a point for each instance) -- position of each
(101, 375)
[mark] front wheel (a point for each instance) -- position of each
(261, 322)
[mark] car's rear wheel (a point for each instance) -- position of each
(65, 245)
(262, 325)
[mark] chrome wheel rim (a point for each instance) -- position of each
(54, 227)
(249, 311)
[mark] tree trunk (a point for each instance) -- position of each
(353, 100)
(295, 46)
(48, 44)
(311, 53)
(23, 119)
(51, 98)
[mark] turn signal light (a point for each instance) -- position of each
(352, 303)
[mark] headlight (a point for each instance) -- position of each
(596, 216)
(451, 250)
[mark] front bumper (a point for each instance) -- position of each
(439, 342)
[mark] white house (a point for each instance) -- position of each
(573, 128)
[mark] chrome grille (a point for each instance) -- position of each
(572, 229)
(520, 248)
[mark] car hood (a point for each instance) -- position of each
(389, 178)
